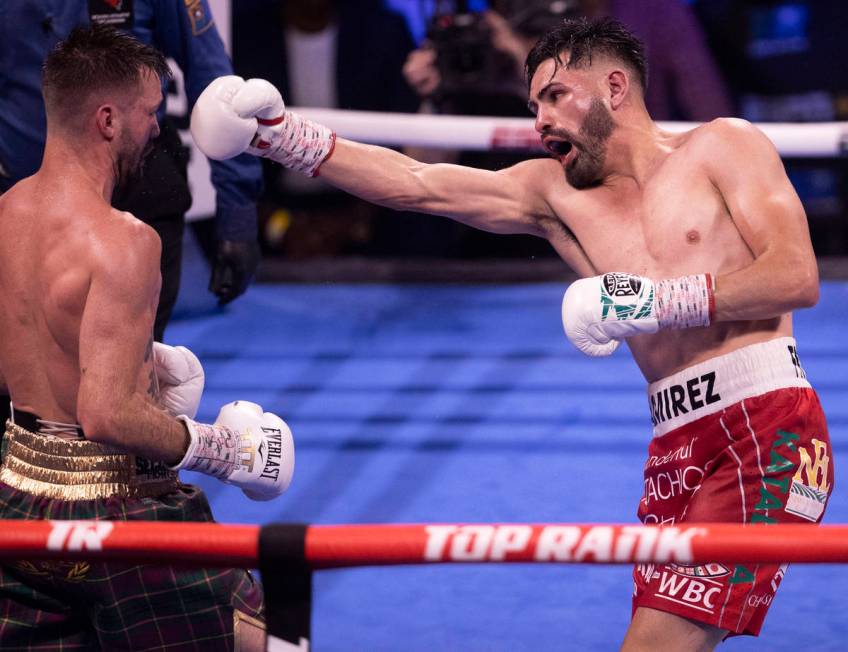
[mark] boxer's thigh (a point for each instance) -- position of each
(658, 631)
(162, 607)
(34, 617)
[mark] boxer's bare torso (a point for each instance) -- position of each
(677, 224)
(57, 237)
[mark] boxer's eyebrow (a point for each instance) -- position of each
(544, 95)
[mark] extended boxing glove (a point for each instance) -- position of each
(230, 108)
(245, 447)
(599, 312)
(218, 130)
(180, 377)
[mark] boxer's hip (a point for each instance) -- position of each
(712, 386)
(64, 469)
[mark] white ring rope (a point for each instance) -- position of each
(814, 139)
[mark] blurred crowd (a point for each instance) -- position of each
(764, 60)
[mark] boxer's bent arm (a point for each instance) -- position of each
(508, 201)
(747, 170)
(115, 339)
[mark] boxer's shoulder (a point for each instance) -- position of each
(123, 226)
(122, 244)
(725, 136)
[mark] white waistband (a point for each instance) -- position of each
(710, 386)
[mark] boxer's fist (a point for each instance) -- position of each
(230, 108)
(260, 100)
(180, 377)
(246, 447)
(218, 129)
(599, 312)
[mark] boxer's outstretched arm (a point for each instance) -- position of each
(747, 170)
(233, 115)
(507, 201)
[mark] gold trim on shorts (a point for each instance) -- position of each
(77, 469)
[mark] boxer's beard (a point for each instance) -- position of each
(585, 169)
(130, 161)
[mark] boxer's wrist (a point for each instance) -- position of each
(685, 302)
(294, 142)
(211, 449)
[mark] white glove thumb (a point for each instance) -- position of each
(181, 379)
(259, 98)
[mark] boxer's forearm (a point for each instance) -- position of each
(136, 426)
(376, 174)
(776, 283)
(486, 200)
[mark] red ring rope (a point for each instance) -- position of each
(208, 544)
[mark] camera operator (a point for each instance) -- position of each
(684, 82)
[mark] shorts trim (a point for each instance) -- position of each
(711, 386)
(64, 469)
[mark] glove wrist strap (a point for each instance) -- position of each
(213, 449)
(301, 144)
(685, 302)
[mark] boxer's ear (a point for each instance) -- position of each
(618, 87)
(106, 119)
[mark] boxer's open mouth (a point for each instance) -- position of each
(559, 148)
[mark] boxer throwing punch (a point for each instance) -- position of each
(93, 433)
(695, 250)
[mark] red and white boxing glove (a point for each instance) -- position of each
(600, 311)
(245, 447)
(180, 377)
(232, 116)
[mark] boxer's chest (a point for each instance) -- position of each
(677, 223)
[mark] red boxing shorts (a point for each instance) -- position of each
(740, 438)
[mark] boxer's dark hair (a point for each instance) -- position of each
(582, 39)
(93, 58)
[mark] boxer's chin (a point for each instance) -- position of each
(584, 170)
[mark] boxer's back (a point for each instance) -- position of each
(51, 232)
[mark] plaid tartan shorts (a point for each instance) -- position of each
(67, 605)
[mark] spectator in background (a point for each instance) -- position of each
(184, 31)
(329, 54)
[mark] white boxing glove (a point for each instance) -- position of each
(280, 135)
(180, 377)
(246, 447)
(218, 130)
(600, 311)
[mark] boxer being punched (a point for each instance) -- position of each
(93, 433)
(695, 250)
